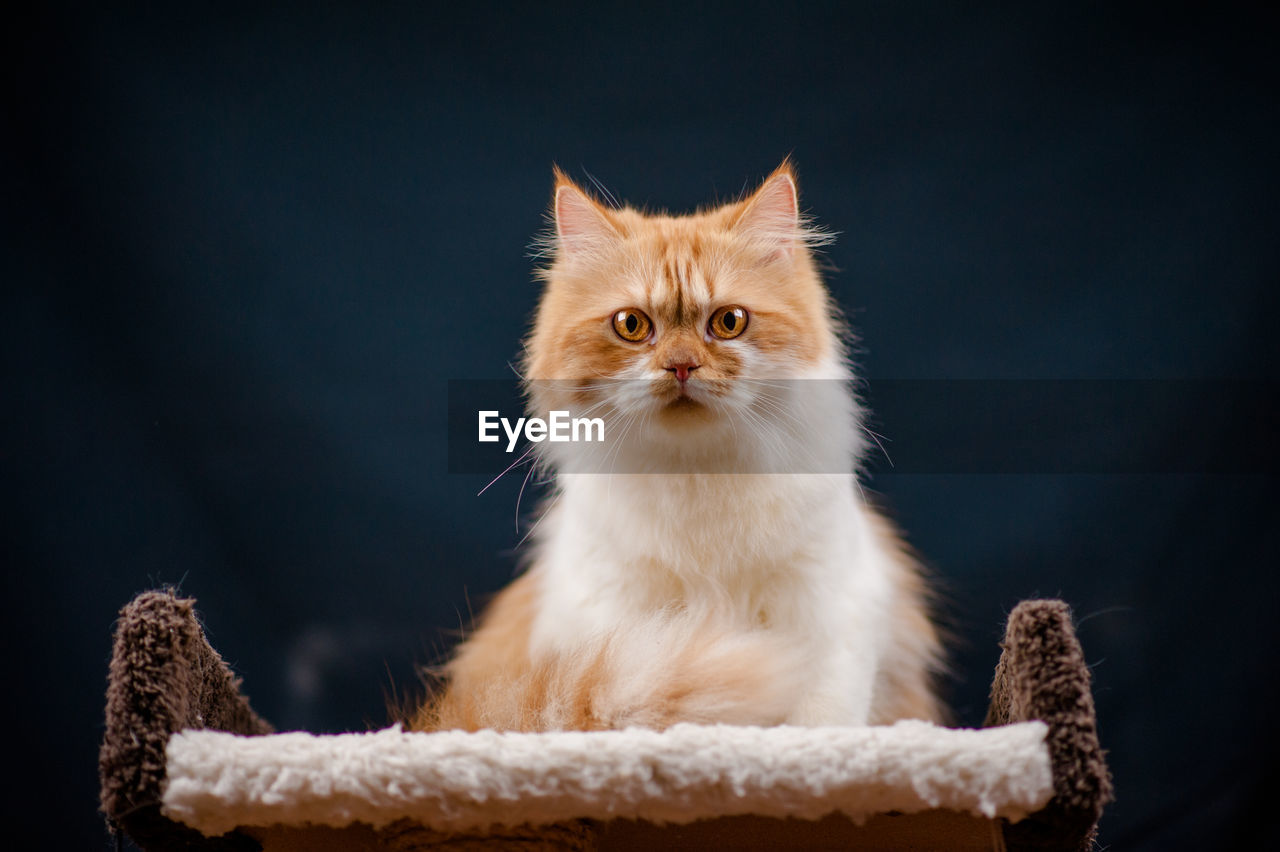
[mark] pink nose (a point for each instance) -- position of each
(682, 370)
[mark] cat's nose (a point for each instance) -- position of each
(682, 370)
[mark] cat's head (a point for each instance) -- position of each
(681, 323)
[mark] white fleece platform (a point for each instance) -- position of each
(467, 781)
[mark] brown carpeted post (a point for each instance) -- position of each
(164, 677)
(1042, 675)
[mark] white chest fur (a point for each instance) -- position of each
(788, 555)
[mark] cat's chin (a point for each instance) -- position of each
(684, 412)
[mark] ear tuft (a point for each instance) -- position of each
(581, 223)
(772, 213)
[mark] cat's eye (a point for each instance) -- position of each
(728, 322)
(632, 325)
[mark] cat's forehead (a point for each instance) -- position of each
(677, 261)
(677, 285)
(688, 231)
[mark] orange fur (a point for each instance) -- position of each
(707, 677)
(701, 636)
(669, 256)
(906, 685)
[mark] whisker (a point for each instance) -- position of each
(603, 190)
(520, 496)
(546, 511)
(523, 456)
(875, 437)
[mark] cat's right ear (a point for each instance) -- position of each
(582, 225)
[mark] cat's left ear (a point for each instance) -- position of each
(582, 225)
(772, 214)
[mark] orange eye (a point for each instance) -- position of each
(728, 322)
(632, 325)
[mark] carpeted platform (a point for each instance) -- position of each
(186, 764)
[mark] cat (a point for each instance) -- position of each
(717, 589)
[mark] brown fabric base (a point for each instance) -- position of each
(1042, 674)
(357, 837)
(163, 677)
(928, 831)
(576, 836)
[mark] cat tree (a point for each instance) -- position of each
(186, 764)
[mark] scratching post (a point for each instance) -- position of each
(164, 678)
(187, 765)
(1042, 675)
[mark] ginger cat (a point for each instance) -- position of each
(716, 589)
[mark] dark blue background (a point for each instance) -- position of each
(246, 249)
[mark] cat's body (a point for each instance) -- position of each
(714, 560)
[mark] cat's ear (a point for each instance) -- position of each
(582, 225)
(771, 215)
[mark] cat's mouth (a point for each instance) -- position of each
(681, 395)
(697, 400)
(682, 410)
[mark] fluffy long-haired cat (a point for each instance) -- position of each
(715, 559)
